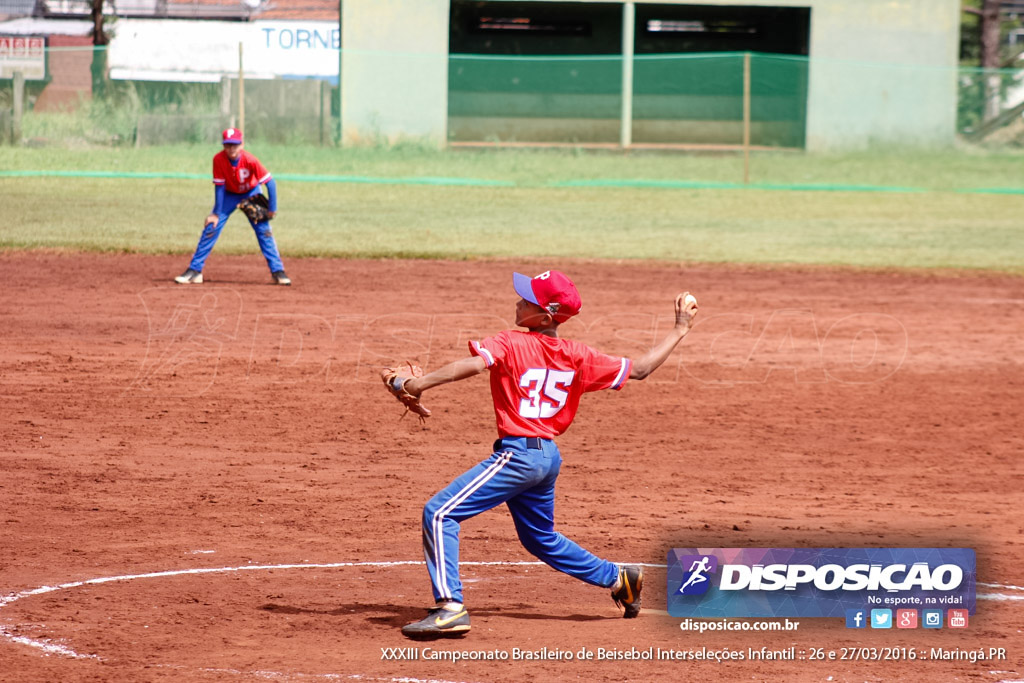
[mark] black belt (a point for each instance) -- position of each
(534, 442)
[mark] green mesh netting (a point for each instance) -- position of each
(676, 99)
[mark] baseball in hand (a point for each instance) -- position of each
(690, 299)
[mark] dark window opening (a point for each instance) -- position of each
(576, 94)
(535, 28)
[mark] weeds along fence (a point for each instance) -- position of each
(66, 105)
(726, 100)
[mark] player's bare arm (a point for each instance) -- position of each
(686, 311)
(453, 372)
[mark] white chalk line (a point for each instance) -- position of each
(998, 596)
(54, 648)
(1001, 585)
(47, 647)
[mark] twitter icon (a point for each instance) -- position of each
(881, 618)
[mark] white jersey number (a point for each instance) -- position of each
(550, 383)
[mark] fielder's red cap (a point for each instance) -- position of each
(552, 290)
(232, 136)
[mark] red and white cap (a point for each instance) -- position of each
(232, 136)
(552, 290)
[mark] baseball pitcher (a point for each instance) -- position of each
(537, 380)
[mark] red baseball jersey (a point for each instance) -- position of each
(537, 381)
(240, 179)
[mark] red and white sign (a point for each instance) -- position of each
(25, 54)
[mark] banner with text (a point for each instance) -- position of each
(817, 582)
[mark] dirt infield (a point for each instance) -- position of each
(151, 428)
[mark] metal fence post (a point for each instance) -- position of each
(626, 120)
(241, 90)
(325, 114)
(746, 118)
(225, 101)
(19, 107)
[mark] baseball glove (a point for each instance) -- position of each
(256, 207)
(395, 377)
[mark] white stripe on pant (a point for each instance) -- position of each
(437, 523)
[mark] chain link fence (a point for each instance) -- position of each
(674, 100)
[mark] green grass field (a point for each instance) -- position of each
(864, 210)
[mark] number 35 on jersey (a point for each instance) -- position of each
(546, 392)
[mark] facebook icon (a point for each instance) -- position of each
(856, 618)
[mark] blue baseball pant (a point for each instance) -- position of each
(524, 479)
(211, 232)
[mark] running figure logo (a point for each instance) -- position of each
(695, 580)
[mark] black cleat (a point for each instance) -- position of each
(440, 623)
(280, 278)
(628, 594)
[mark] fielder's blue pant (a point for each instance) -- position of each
(524, 479)
(211, 232)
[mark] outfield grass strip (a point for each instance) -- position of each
(993, 190)
(837, 187)
(406, 180)
(103, 174)
(645, 184)
(139, 175)
(705, 185)
(623, 183)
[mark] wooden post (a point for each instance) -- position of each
(241, 90)
(19, 107)
(746, 118)
(626, 117)
(225, 101)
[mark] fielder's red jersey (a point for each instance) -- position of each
(240, 179)
(537, 381)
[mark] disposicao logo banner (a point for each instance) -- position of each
(817, 582)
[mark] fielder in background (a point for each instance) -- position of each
(237, 175)
(537, 380)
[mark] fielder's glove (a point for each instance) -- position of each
(256, 207)
(395, 378)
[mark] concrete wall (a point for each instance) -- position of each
(883, 72)
(394, 71)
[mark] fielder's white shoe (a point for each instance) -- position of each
(190, 277)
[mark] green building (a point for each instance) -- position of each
(813, 74)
